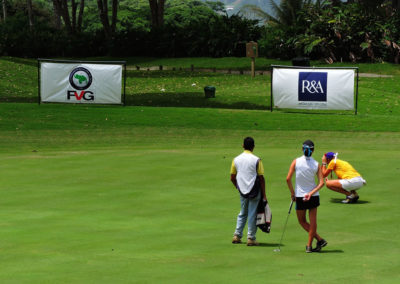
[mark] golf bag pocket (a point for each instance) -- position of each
(264, 216)
(254, 191)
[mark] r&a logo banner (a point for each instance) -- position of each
(312, 86)
(80, 79)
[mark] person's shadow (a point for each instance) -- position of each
(331, 251)
(269, 245)
(339, 200)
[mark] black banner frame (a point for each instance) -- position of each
(311, 68)
(123, 63)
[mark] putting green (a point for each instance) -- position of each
(155, 205)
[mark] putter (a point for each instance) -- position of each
(284, 228)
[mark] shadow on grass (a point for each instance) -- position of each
(332, 251)
(18, 99)
(170, 74)
(315, 111)
(192, 99)
(339, 200)
(270, 245)
(24, 61)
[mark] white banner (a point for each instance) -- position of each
(313, 88)
(80, 83)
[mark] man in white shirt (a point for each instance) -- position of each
(247, 175)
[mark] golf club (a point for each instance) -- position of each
(284, 228)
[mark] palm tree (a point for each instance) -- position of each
(285, 13)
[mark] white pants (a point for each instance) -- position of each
(353, 183)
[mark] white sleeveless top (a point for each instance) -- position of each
(246, 166)
(306, 171)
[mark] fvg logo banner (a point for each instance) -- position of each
(81, 83)
(313, 88)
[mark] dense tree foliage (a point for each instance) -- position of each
(126, 27)
(353, 30)
(360, 30)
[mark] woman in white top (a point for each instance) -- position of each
(306, 194)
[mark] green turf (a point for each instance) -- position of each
(139, 194)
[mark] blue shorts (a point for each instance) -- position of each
(310, 204)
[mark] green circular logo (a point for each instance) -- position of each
(80, 78)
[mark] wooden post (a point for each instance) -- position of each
(253, 67)
(252, 52)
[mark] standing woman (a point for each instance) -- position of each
(306, 194)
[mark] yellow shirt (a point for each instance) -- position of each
(343, 169)
(260, 167)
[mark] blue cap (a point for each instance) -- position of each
(330, 155)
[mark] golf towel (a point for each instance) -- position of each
(264, 216)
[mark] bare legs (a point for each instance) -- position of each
(335, 185)
(311, 227)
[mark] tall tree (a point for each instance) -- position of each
(30, 13)
(57, 15)
(109, 29)
(4, 5)
(157, 12)
(61, 9)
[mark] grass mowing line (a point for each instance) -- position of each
(70, 117)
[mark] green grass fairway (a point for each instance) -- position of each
(110, 201)
(141, 193)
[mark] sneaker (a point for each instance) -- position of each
(251, 243)
(309, 249)
(236, 240)
(320, 244)
(352, 198)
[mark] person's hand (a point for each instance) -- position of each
(292, 197)
(323, 159)
(307, 197)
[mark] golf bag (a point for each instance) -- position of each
(264, 216)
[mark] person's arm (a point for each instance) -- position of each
(260, 174)
(233, 174)
(233, 180)
(307, 196)
(324, 168)
(289, 179)
(262, 183)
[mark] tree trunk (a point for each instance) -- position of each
(57, 15)
(4, 10)
(109, 30)
(114, 16)
(73, 15)
(103, 13)
(63, 9)
(30, 13)
(80, 15)
(157, 12)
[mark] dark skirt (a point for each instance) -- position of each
(303, 205)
